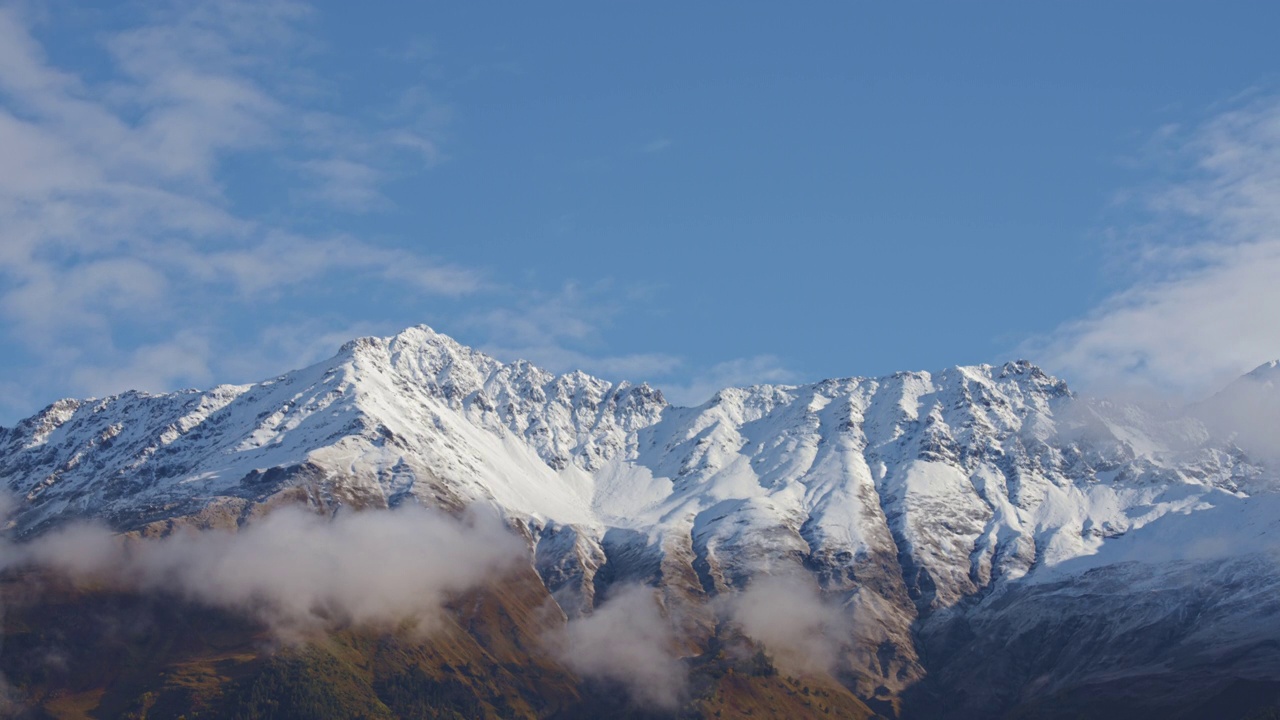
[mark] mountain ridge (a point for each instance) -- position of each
(919, 501)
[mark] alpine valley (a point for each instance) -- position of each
(995, 545)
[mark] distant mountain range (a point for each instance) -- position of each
(999, 545)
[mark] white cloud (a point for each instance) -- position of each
(119, 242)
(1202, 304)
(129, 257)
(558, 331)
(803, 633)
(308, 341)
(154, 367)
(295, 570)
(739, 372)
(345, 183)
(627, 641)
(561, 332)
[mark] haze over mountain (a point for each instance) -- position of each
(962, 543)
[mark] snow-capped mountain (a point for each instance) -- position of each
(954, 514)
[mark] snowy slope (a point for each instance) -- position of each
(384, 417)
(906, 495)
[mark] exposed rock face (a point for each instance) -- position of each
(962, 518)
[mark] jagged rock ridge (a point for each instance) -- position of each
(929, 504)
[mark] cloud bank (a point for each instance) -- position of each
(563, 331)
(627, 641)
(302, 574)
(128, 250)
(297, 571)
(1201, 307)
(171, 214)
(800, 631)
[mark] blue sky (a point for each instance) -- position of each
(694, 196)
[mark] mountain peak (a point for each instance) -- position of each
(422, 355)
(1254, 387)
(916, 494)
(419, 337)
(425, 335)
(1266, 372)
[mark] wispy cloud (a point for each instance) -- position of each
(136, 250)
(739, 372)
(565, 330)
(122, 256)
(346, 184)
(294, 570)
(801, 631)
(562, 331)
(626, 641)
(656, 145)
(184, 358)
(1201, 306)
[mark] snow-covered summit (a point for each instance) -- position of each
(1267, 371)
(1001, 464)
(146, 455)
(569, 448)
(912, 494)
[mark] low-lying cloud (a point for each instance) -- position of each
(301, 573)
(628, 641)
(295, 570)
(801, 632)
